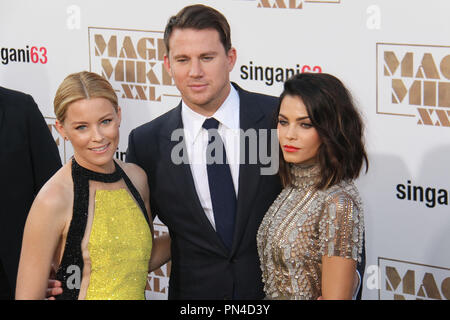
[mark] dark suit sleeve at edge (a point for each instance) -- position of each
(131, 154)
(44, 153)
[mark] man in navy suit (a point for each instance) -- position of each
(212, 212)
(214, 253)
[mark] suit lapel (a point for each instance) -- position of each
(249, 174)
(181, 174)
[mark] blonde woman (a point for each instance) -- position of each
(91, 219)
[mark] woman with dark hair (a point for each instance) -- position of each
(311, 237)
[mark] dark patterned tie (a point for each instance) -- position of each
(221, 188)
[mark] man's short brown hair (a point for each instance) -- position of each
(199, 17)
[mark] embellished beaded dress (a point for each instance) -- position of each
(108, 244)
(302, 225)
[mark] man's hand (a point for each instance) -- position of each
(54, 289)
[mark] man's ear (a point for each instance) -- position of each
(167, 64)
(232, 57)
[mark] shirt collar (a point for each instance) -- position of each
(227, 115)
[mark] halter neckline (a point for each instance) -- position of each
(97, 176)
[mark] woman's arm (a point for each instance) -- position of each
(341, 240)
(338, 277)
(160, 252)
(161, 245)
(42, 233)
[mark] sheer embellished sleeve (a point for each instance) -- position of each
(341, 226)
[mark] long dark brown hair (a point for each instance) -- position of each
(333, 114)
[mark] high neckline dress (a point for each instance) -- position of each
(302, 225)
(106, 251)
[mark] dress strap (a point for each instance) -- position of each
(135, 194)
(71, 268)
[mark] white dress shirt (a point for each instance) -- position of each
(196, 139)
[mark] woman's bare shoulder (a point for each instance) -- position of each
(57, 193)
(134, 172)
(137, 176)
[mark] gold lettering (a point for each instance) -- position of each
(161, 49)
(127, 91)
(393, 277)
(151, 75)
(127, 50)
(442, 115)
(445, 288)
(425, 116)
(429, 284)
(140, 70)
(445, 67)
(152, 94)
(143, 50)
(141, 92)
(264, 4)
(130, 72)
(101, 45)
(156, 286)
(400, 91)
(119, 71)
(444, 94)
(415, 93)
(429, 93)
(392, 64)
(293, 4)
(408, 282)
(429, 68)
(279, 4)
(136, 66)
(407, 65)
(159, 272)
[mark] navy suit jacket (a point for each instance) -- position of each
(202, 267)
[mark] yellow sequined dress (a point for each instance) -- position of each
(109, 241)
(302, 225)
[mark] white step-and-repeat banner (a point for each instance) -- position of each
(393, 55)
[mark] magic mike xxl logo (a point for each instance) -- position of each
(290, 4)
(414, 81)
(132, 61)
(403, 280)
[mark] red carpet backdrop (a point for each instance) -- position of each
(393, 55)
